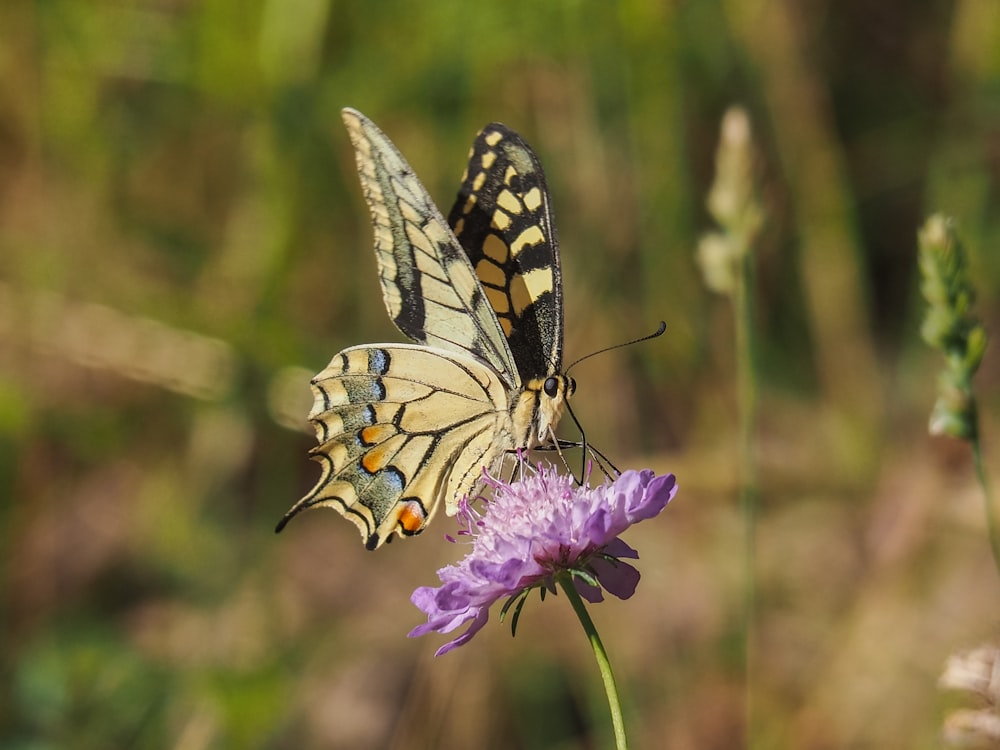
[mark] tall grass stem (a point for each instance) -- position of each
(991, 515)
(743, 311)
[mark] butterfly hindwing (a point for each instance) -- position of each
(503, 219)
(400, 427)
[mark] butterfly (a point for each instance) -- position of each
(406, 428)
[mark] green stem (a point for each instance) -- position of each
(991, 518)
(743, 312)
(614, 703)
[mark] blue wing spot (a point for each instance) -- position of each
(364, 390)
(378, 361)
(394, 479)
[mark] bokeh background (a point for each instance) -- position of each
(183, 243)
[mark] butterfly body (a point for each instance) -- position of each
(406, 428)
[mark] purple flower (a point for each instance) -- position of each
(534, 530)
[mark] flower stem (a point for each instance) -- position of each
(614, 703)
(991, 517)
(743, 312)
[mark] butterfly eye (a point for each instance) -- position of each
(551, 387)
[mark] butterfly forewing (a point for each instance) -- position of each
(503, 219)
(430, 289)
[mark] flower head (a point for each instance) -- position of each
(974, 674)
(734, 204)
(535, 530)
(950, 326)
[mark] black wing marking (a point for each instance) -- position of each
(503, 219)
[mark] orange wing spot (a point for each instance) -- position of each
(375, 460)
(412, 517)
(376, 433)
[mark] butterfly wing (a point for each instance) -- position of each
(430, 289)
(503, 220)
(401, 428)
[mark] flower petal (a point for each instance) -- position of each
(482, 617)
(651, 496)
(618, 548)
(618, 578)
(592, 594)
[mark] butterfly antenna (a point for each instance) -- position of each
(655, 334)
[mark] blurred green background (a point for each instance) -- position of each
(183, 244)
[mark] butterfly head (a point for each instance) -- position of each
(539, 408)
